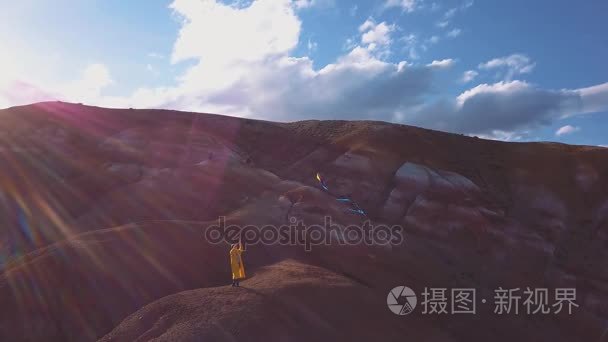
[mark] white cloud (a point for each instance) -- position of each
(463, 7)
(95, 77)
(402, 65)
(155, 55)
(514, 64)
(303, 4)
(151, 69)
(87, 88)
(594, 99)
(450, 13)
(504, 106)
(406, 5)
(248, 34)
(25, 73)
(367, 25)
(469, 76)
(375, 38)
(376, 33)
(349, 44)
(357, 86)
(454, 33)
(274, 85)
(568, 129)
(442, 23)
(434, 39)
(312, 46)
(18, 92)
(441, 64)
(410, 43)
(498, 134)
(496, 88)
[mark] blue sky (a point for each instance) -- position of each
(512, 70)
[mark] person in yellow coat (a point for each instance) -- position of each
(236, 263)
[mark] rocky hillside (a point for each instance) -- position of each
(103, 213)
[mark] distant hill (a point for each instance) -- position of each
(103, 213)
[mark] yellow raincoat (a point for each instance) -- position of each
(236, 262)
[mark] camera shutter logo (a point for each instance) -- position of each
(401, 300)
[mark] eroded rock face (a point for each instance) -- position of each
(600, 222)
(541, 211)
(128, 141)
(410, 181)
(355, 163)
(413, 180)
(585, 176)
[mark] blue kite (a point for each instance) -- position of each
(355, 207)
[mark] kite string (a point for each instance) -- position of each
(357, 209)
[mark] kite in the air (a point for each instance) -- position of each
(354, 206)
(321, 182)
